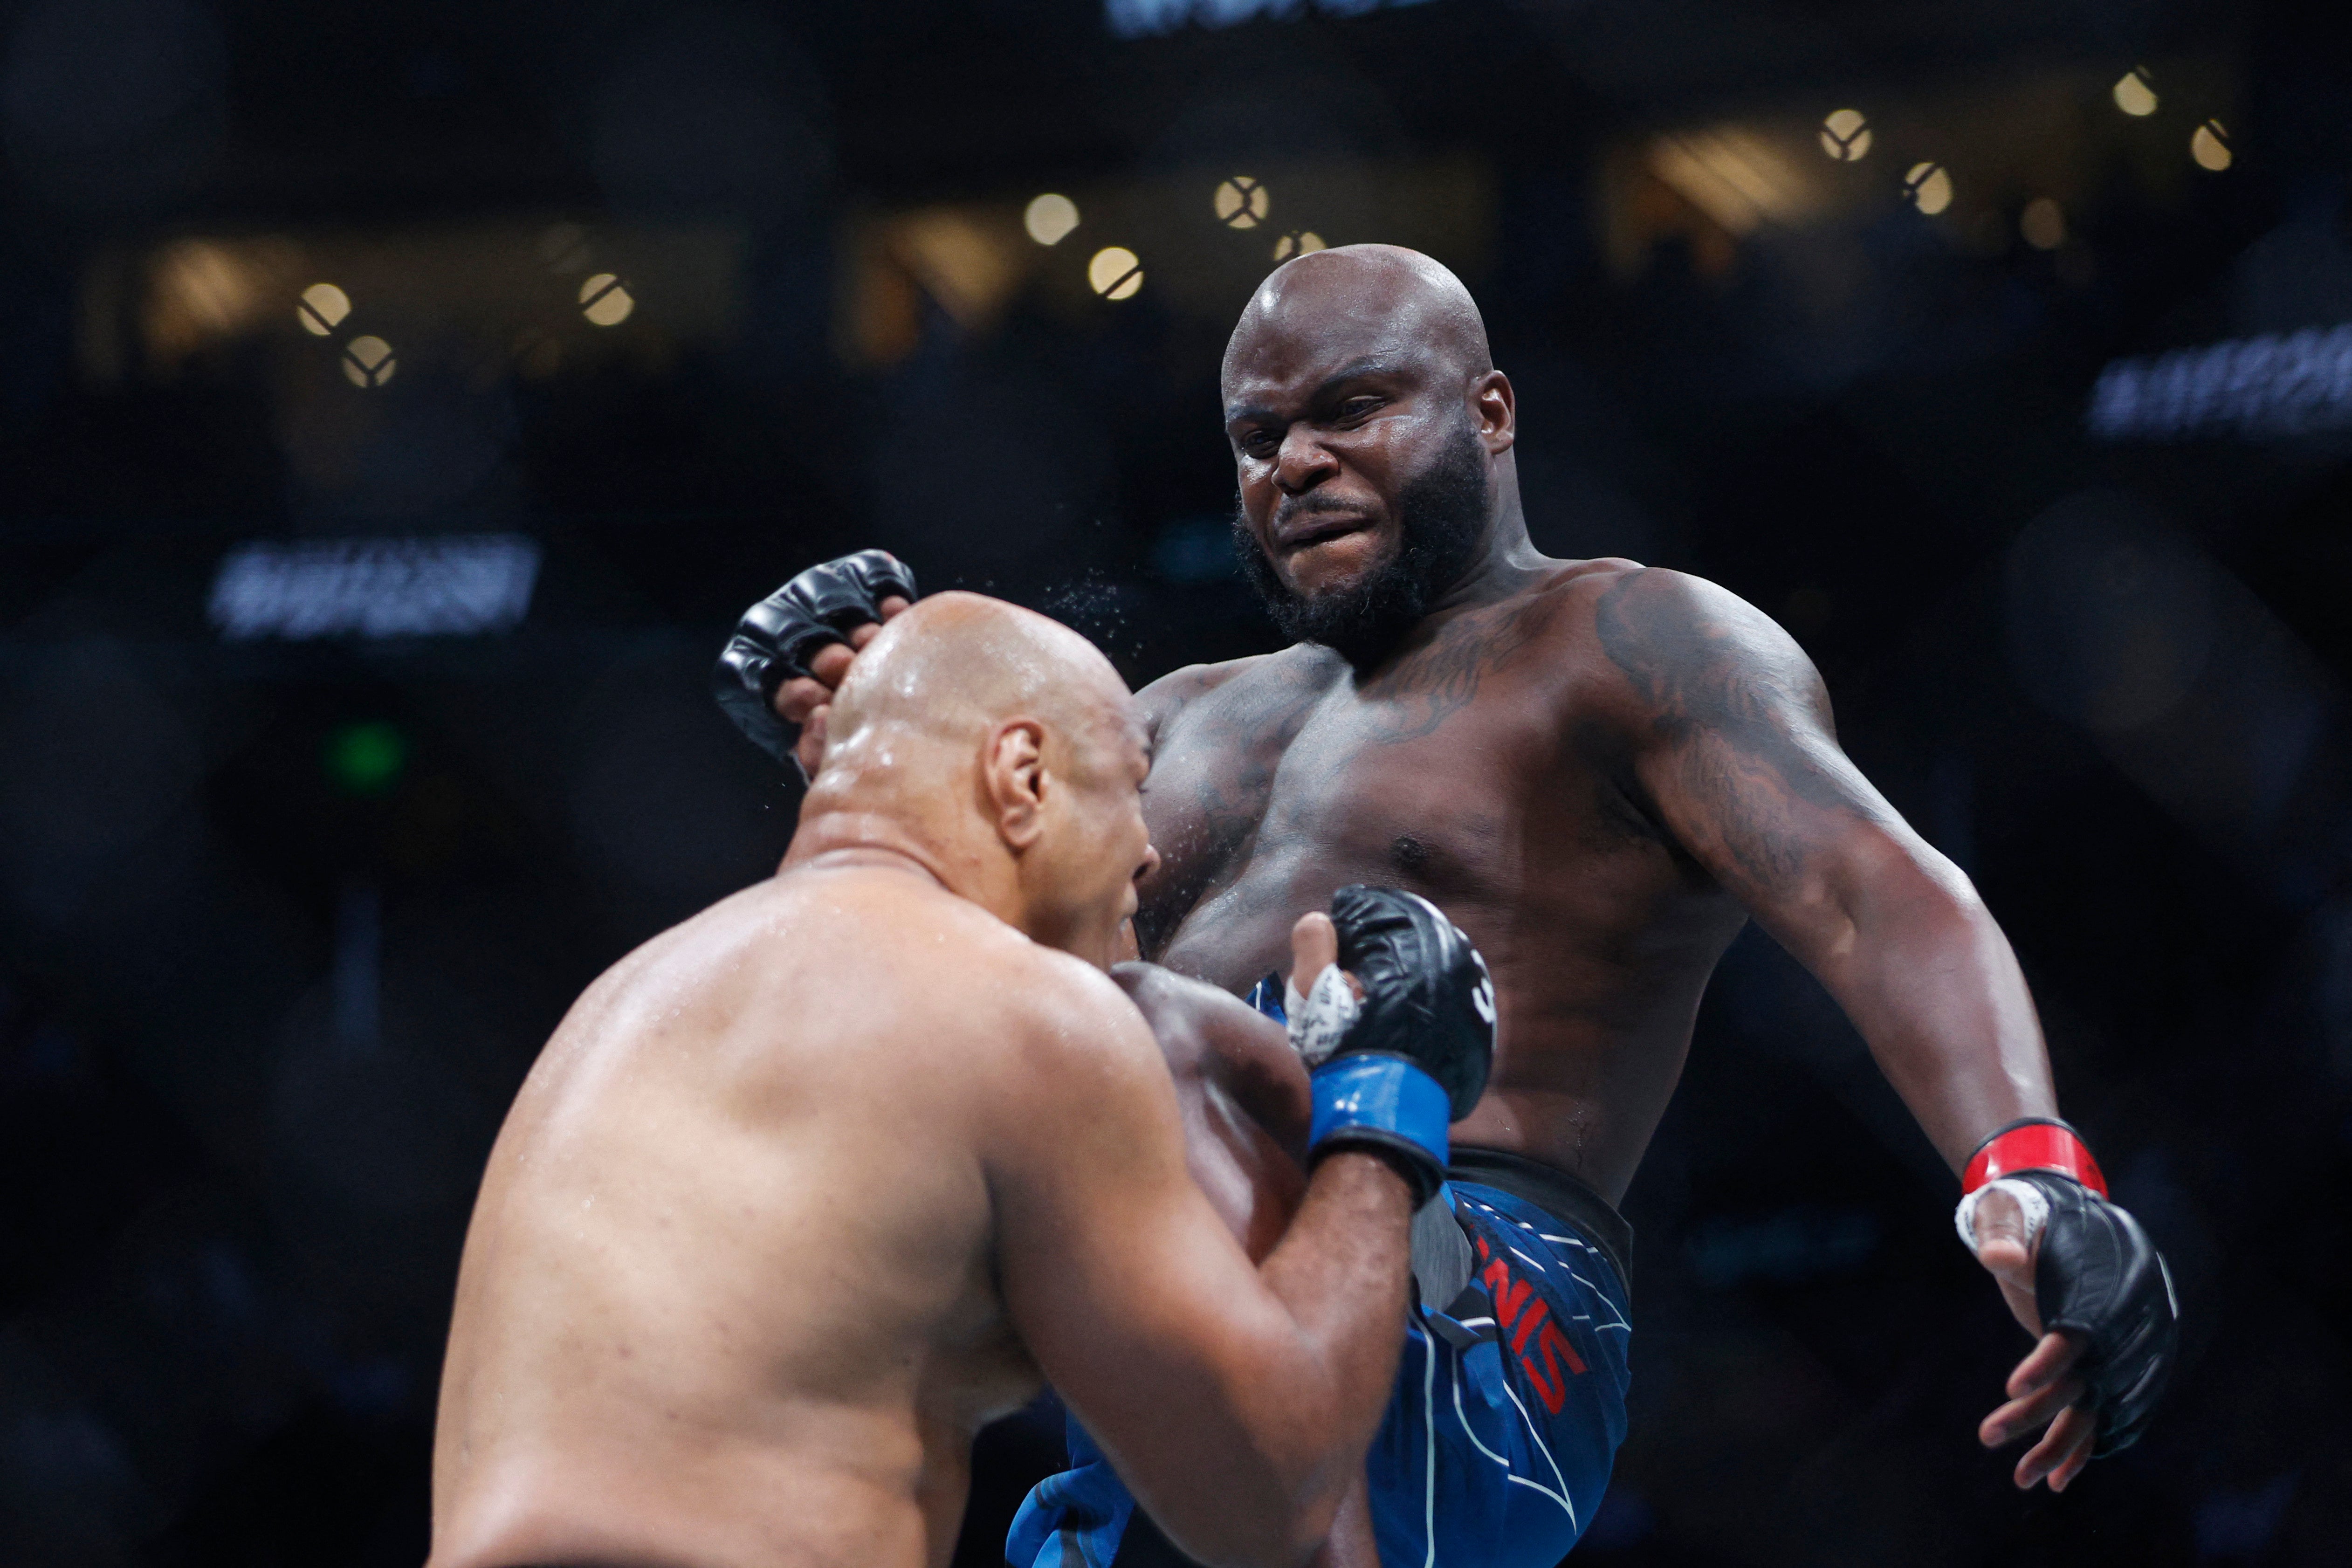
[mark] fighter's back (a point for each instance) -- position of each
(729, 1268)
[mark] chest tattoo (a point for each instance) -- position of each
(1431, 684)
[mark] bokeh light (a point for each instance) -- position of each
(1845, 136)
(1114, 273)
(368, 362)
(1297, 242)
(1928, 187)
(606, 301)
(2134, 96)
(1050, 218)
(2044, 224)
(322, 308)
(2210, 146)
(366, 758)
(1240, 202)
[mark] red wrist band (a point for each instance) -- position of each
(2036, 1143)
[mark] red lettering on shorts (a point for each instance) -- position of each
(1554, 1339)
(1536, 1313)
(1549, 1386)
(1510, 1295)
(1519, 1310)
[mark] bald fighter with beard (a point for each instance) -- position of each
(1602, 771)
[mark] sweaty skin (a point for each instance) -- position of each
(1599, 771)
(808, 1188)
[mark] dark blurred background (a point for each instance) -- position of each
(397, 403)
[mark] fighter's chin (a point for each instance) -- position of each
(1338, 564)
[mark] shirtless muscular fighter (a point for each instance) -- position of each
(1602, 771)
(807, 1188)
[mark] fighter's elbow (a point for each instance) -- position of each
(1276, 1529)
(1270, 1506)
(1881, 888)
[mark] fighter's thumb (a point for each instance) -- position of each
(2003, 1245)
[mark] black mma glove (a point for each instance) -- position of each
(2096, 1274)
(777, 637)
(1395, 1068)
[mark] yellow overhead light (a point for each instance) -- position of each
(322, 308)
(1115, 272)
(2134, 96)
(1297, 243)
(2210, 146)
(606, 301)
(1845, 136)
(2044, 224)
(1928, 187)
(368, 362)
(1241, 202)
(1050, 218)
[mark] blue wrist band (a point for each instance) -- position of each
(1384, 1096)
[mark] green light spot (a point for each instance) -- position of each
(366, 758)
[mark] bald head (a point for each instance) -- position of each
(1002, 750)
(1374, 301)
(956, 664)
(1371, 437)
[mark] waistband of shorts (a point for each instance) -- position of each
(1555, 1191)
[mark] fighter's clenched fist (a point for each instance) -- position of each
(1403, 1052)
(777, 673)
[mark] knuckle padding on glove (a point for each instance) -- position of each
(1422, 980)
(778, 636)
(2099, 1276)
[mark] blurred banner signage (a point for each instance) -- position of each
(2277, 385)
(1144, 18)
(375, 587)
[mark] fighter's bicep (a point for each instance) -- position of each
(1734, 745)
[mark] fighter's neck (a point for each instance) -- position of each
(864, 839)
(835, 838)
(1508, 565)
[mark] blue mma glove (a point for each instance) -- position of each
(1394, 1070)
(777, 637)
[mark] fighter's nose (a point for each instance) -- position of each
(1151, 862)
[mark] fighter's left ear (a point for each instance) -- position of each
(1013, 780)
(1496, 407)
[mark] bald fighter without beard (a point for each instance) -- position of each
(1602, 771)
(806, 1189)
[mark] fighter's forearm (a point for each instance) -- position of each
(1918, 963)
(1342, 1275)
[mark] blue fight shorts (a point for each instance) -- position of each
(1508, 1408)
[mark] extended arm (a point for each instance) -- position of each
(1734, 752)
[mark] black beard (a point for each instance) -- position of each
(1441, 515)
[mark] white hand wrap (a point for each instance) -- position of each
(2033, 1207)
(1319, 1019)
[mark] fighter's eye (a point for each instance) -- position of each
(1259, 441)
(1358, 407)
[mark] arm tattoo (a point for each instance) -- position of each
(1729, 713)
